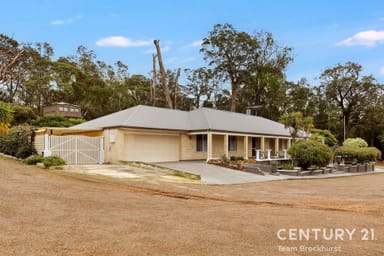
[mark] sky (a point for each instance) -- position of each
(322, 33)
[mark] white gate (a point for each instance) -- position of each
(76, 149)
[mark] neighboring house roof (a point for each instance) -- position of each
(203, 119)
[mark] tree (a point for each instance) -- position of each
(253, 64)
(344, 86)
(201, 87)
(300, 98)
(163, 79)
(296, 123)
(9, 56)
(228, 51)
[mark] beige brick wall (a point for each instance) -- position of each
(188, 148)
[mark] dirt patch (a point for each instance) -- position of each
(46, 212)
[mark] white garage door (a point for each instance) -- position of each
(151, 148)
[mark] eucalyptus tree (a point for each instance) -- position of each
(202, 86)
(345, 87)
(252, 63)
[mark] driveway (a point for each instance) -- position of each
(213, 174)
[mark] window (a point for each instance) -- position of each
(66, 109)
(201, 143)
(61, 109)
(232, 143)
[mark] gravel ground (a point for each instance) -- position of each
(46, 212)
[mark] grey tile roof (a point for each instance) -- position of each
(202, 119)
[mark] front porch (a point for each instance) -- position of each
(248, 146)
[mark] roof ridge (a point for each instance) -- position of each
(136, 109)
(206, 119)
(240, 113)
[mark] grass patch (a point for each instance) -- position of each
(162, 169)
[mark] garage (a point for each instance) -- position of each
(151, 148)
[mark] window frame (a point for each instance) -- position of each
(201, 143)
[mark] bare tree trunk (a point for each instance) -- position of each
(163, 75)
(154, 81)
(176, 87)
(5, 68)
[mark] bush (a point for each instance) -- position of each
(355, 142)
(34, 159)
(357, 154)
(237, 158)
(18, 142)
(53, 161)
(287, 166)
(325, 136)
(309, 153)
(22, 115)
(57, 121)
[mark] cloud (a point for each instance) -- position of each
(120, 41)
(381, 70)
(197, 43)
(368, 38)
(66, 21)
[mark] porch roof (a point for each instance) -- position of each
(203, 119)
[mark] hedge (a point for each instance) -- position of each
(358, 154)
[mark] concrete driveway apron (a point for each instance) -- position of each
(212, 174)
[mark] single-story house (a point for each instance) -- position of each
(152, 134)
(64, 109)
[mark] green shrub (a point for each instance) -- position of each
(53, 161)
(18, 142)
(22, 115)
(324, 135)
(57, 121)
(287, 166)
(355, 142)
(358, 154)
(34, 159)
(309, 153)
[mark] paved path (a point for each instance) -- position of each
(213, 174)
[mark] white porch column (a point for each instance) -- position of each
(257, 154)
(269, 154)
(101, 152)
(246, 147)
(47, 150)
(289, 143)
(226, 151)
(209, 146)
(285, 154)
